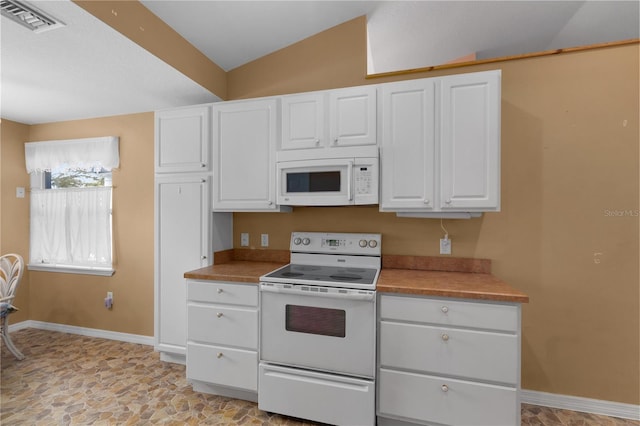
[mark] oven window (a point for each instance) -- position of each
(313, 182)
(313, 320)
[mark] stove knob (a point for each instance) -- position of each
(373, 243)
(297, 241)
(363, 243)
(306, 241)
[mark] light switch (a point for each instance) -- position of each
(20, 192)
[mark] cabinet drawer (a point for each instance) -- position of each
(467, 353)
(219, 292)
(490, 316)
(223, 325)
(223, 366)
(446, 401)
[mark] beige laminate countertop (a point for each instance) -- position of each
(466, 285)
(244, 271)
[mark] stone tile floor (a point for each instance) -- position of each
(68, 379)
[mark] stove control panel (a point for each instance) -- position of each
(342, 243)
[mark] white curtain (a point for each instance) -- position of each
(75, 153)
(71, 226)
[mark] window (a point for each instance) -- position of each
(71, 205)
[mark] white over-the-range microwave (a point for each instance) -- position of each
(325, 181)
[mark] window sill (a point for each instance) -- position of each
(70, 269)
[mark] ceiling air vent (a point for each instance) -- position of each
(29, 16)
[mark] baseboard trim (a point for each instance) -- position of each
(83, 331)
(565, 402)
(585, 405)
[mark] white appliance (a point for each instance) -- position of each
(341, 181)
(317, 330)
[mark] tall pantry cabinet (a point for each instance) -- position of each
(187, 233)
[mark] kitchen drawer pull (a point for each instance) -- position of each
(445, 388)
(219, 314)
(219, 355)
(220, 290)
(445, 309)
(445, 337)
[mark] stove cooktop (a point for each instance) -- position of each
(327, 274)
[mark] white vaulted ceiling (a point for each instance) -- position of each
(87, 69)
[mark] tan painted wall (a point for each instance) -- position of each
(78, 299)
(569, 164)
(14, 219)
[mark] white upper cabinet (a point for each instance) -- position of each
(440, 148)
(352, 116)
(408, 145)
(329, 119)
(470, 141)
(182, 140)
(303, 123)
(244, 138)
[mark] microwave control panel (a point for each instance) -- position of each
(363, 180)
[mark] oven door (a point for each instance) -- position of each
(320, 328)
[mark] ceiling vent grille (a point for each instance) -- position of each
(29, 16)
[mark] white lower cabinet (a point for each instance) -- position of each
(222, 338)
(449, 362)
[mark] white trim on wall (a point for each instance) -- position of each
(585, 405)
(83, 331)
(565, 402)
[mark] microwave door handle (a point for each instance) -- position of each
(349, 179)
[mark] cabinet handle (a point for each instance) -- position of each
(219, 355)
(220, 290)
(219, 314)
(445, 309)
(444, 388)
(445, 337)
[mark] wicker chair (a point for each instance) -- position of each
(11, 269)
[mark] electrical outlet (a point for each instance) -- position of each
(445, 246)
(264, 240)
(244, 239)
(108, 301)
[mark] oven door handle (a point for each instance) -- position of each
(350, 295)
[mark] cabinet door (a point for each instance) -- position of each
(182, 140)
(408, 145)
(352, 116)
(303, 124)
(182, 244)
(470, 141)
(244, 136)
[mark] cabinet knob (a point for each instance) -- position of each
(445, 337)
(445, 388)
(426, 201)
(220, 290)
(219, 314)
(317, 141)
(335, 141)
(445, 309)
(219, 355)
(270, 202)
(448, 201)
(204, 257)
(203, 165)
